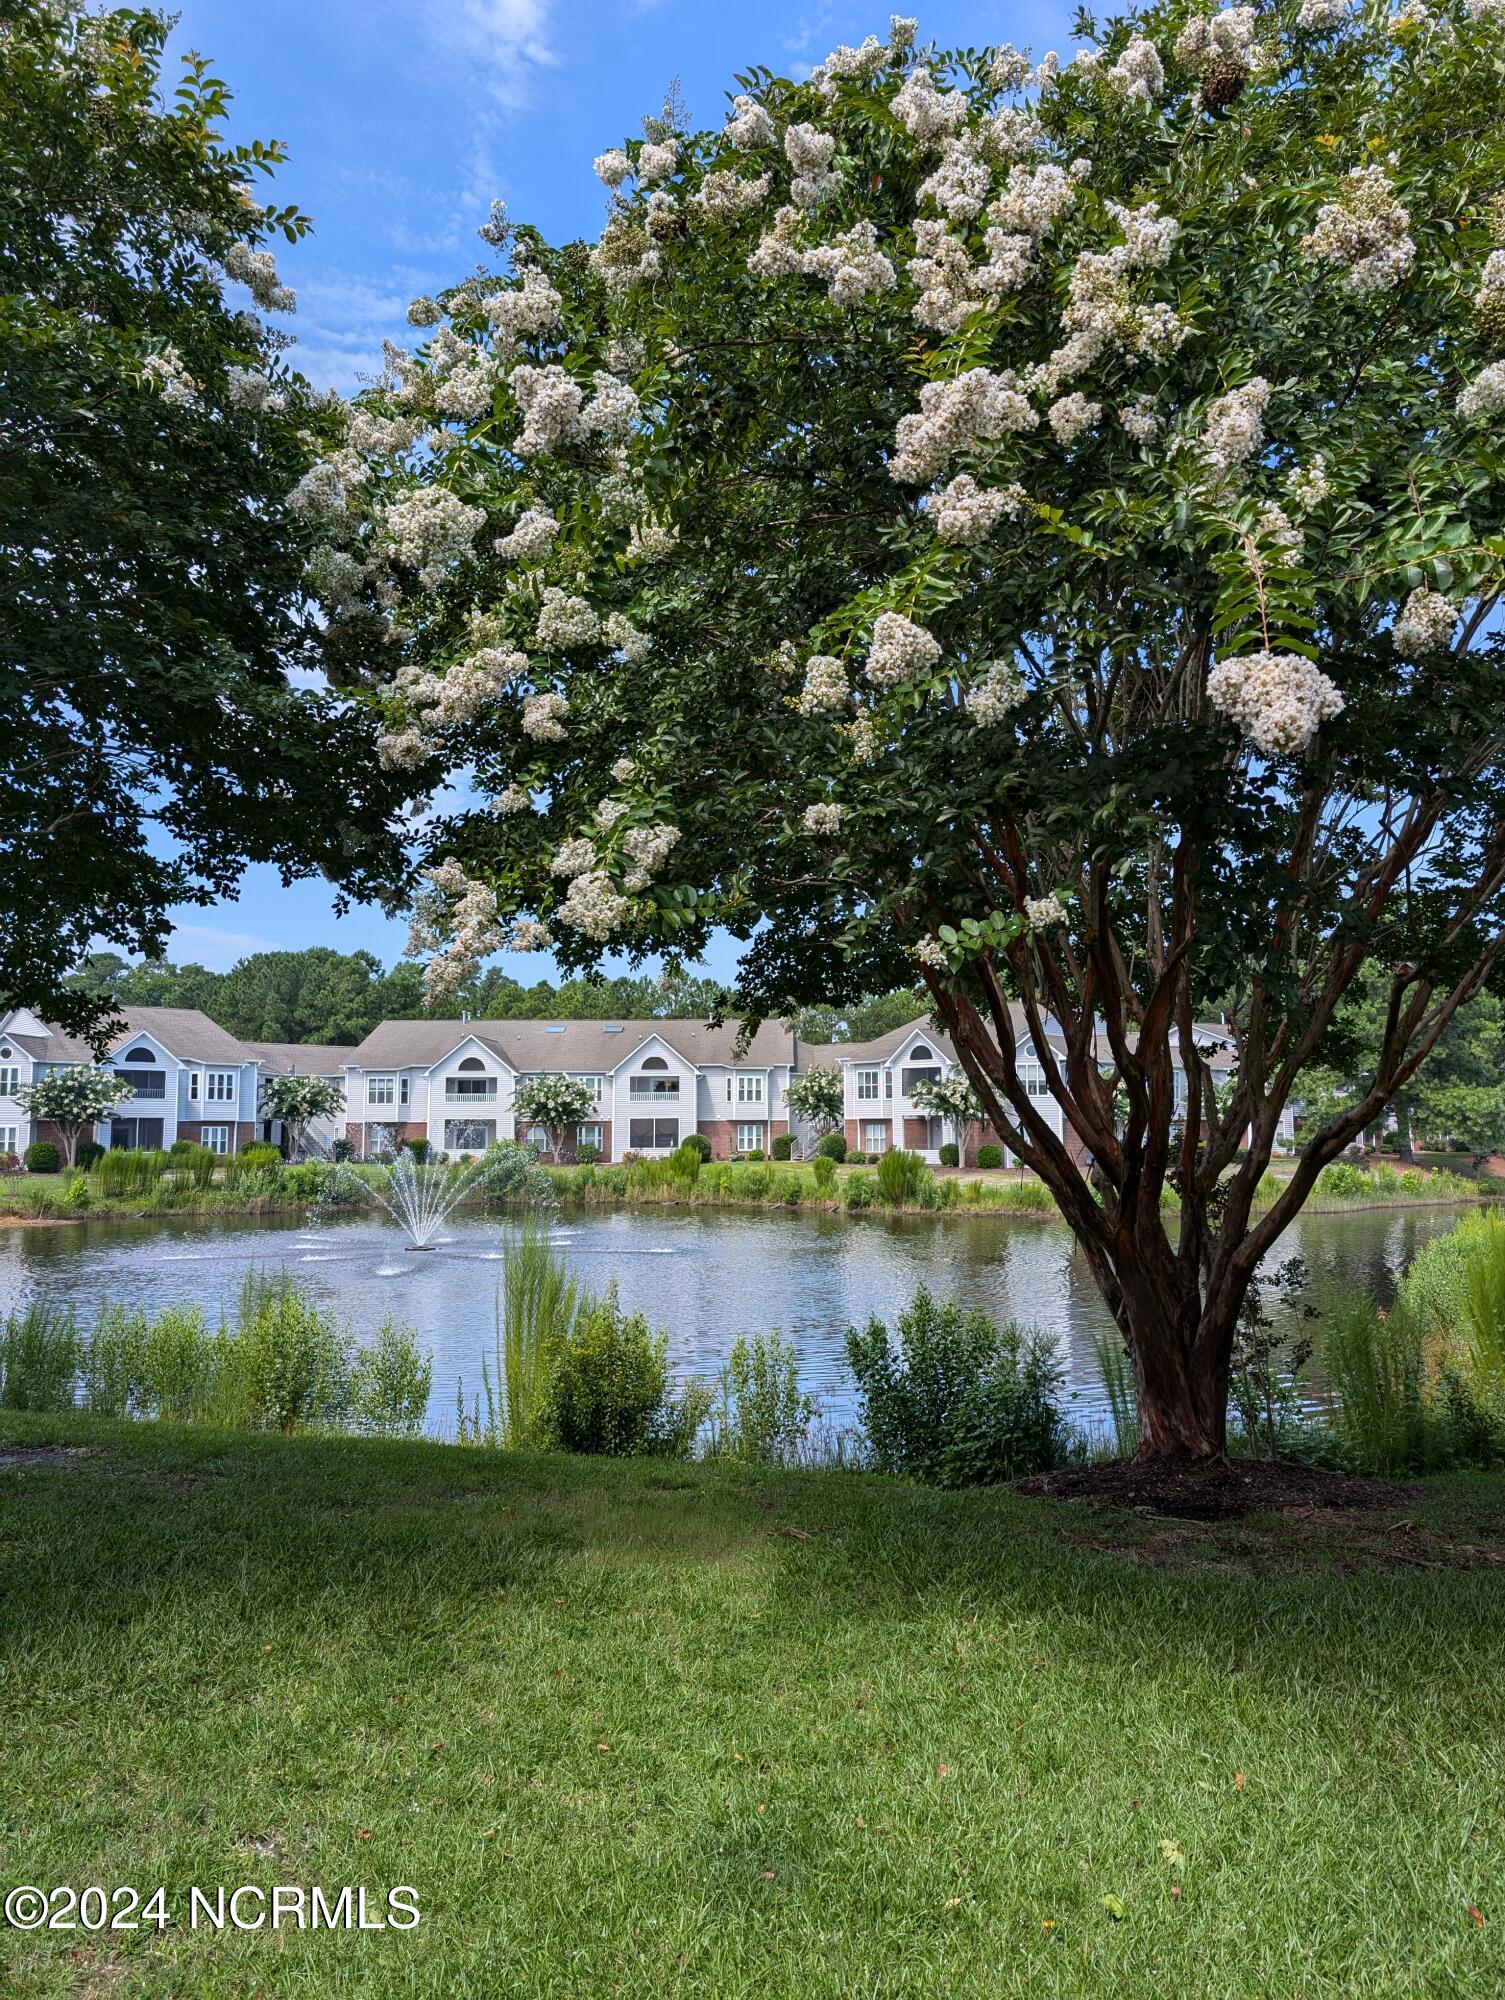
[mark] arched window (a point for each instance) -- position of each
(472, 1062)
(140, 1055)
(654, 1062)
(919, 1053)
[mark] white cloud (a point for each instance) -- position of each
(208, 945)
(502, 42)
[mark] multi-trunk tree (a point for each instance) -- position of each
(1036, 524)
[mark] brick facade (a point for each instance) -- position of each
(360, 1135)
(722, 1133)
(239, 1135)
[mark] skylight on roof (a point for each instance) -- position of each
(554, 1027)
(611, 1028)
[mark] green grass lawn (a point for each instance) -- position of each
(644, 1729)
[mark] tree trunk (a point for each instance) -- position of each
(68, 1137)
(1180, 1358)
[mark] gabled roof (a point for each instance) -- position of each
(183, 1031)
(586, 1046)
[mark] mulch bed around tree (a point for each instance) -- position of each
(1216, 1490)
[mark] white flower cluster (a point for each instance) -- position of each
(404, 749)
(930, 951)
(1365, 230)
(528, 934)
(899, 650)
(465, 391)
(1009, 69)
(1072, 415)
(851, 266)
(565, 622)
(996, 695)
(648, 847)
(952, 287)
(531, 536)
(1281, 532)
(651, 540)
(613, 409)
(825, 690)
(574, 857)
(511, 799)
(624, 769)
(249, 389)
(335, 578)
(1148, 235)
(1491, 292)
(823, 819)
(749, 125)
(542, 715)
(658, 161)
(376, 436)
(1139, 73)
(1277, 700)
(928, 115)
(1317, 14)
(464, 690)
(319, 496)
(1043, 913)
(430, 529)
(1011, 134)
(625, 638)
(1141, 419)
(1101, 312)
(257, 271)
(1308, 485)
(550, 401)
(1233, 429)
(809, 152)
(902, 29)
(958, 187)
(424, 311)
(1424, 626)
(594, 906)
(968, 513)
(1485, 395)
(456, 918)
(172, 381)
(1206, 37)
(954, 415)
(862, 63)
(613, 166)
(725, 194)
(532, 307)
(1034, 199)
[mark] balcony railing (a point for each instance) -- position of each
(652, 1093)
(455, 1094)
(144, 1083)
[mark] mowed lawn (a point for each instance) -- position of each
(641, 1729)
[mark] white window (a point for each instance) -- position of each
(381, 1090)
(867, 1083)
(216, 1138)
(875, 1136)
(589, 1135)
(10, 1139)
(220, 1086)
(749, 1138)
(597, 1085)
(193, 1086)
(10, 1080)
(402, 1091)
(749, 1087)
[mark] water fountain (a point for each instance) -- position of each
(420, 1198)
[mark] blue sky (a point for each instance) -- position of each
(404, 119)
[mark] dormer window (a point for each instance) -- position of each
(654, 1062)
(139, 1055)
(919, 1053)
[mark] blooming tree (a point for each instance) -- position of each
(73, 1100)
(298, 1101)
(816, 1097)
(950, 1097)
(1038, 523)
(557, 1103)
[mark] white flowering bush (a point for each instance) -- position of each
(1033, 522)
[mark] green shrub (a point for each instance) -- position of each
(859, 1190)
(958, 1401)
(1033, 1196)
(950, 1154)
(698, 1142)
(824, 1169)
(39, 1357)
(761, 1413)
(193, 1166)
(834, 1147)
(990, 1156)
(856, 1159)
(341, 1150)
(683, 1165)
(748, 1183)
(390, 1384)
(610, 1393)
(291, 1361)
(76, 1192)
(177, 1367)
(753, 1153)
(899, 1176)
(1117, 1373)
(85, 1153)
(1375, 1365)
(538, 1302)
(42, 1157)
(259, 1154)
(127, 1171)
(783, 1146)
(1343, 1181)
(113, 1361)
(419, 1148)
(587, 1155)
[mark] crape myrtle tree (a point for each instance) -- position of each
(952, 1098)
(556, 1103)
(1034, 524)
(73, 1100)
(817, 1097)
(297, 1101)
(155, 445)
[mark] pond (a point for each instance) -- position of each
(704, 1275)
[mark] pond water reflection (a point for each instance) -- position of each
(704, 1275)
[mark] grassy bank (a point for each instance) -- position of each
(646, 1730)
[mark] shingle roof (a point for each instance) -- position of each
(304, 1058)
(182, 1031)
(527, 1046)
